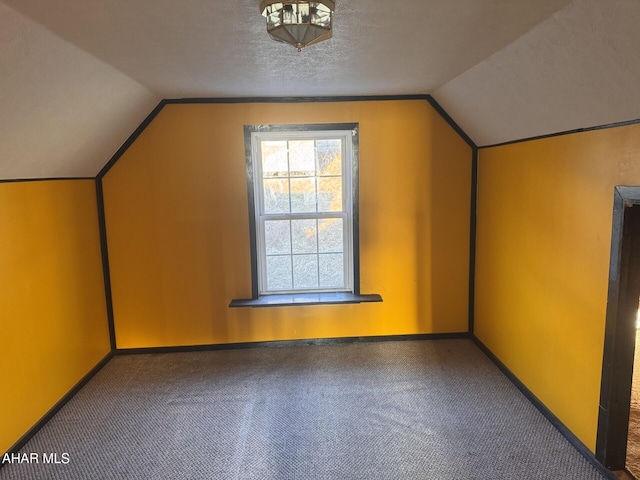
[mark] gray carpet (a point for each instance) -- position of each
(633, 438)
(388, 410)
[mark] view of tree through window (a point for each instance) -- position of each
(303, 211)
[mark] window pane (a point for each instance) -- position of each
(330, 194)
(329, 157)
(305, 271)
(330, 235)
(331, 270)
(277, 237)
(302, 158)
(303, 195)
(303, 234)
(274, 158)
(276, 195)
(279, 273)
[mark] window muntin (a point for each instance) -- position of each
(303, 210)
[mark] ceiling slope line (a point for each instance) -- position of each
(563, 133)
(438, 108)
(132, 138)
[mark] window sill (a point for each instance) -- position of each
(299, 299)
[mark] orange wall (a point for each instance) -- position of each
(52, 306)
(178, 227)
(543, 240)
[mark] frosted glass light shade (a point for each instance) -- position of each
(298, 22)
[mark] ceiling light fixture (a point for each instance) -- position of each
(298, 22)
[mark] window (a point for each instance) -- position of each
(303, 205)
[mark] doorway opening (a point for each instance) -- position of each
(615, 410)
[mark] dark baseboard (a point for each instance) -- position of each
(548, 414)
(291, 343)
(61, 403)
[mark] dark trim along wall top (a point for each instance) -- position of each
(370, 98)
(132, 138)
(364, 98)
(52, 179)
(566, 132)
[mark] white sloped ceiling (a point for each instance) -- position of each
(578, 69)
(63, 112)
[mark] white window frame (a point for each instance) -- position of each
(347, 213)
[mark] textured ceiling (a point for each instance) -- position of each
(580, 68)
(205, 48)
(77, 77)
